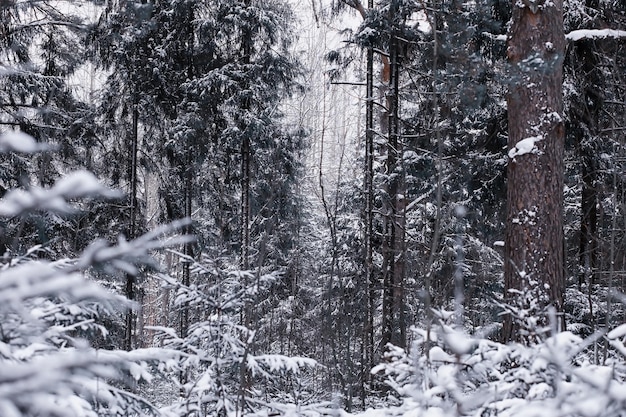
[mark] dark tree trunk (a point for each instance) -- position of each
(588, 248)
(368, 333)
(188, 178)
(393, 326)
(587, 111)
(245, 203)
(245, 375)
(132, 223)
(534, 264)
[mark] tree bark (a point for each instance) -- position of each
(588, 111)
(534, 265)
(393, 326)
(132, 223)
(188, 178)
(368, 333)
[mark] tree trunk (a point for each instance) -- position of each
(588, 111)
(393, 276)
(132, 223)
(188, 180)
(368, 333)
(588, 248)
(245, 203)
(534, 265)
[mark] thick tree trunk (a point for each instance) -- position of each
(534, 265)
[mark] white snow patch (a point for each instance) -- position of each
(20, 142)
(459, 343)
(577, 35)
(501, 38)
(592, 406)
(525, 146)
(438, 354)
(619, 331)
(82, 184)
(75, 185)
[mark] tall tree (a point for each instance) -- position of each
(40, 48)
(534, 263)
(393, 324)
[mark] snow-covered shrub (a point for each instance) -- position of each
(221, 370)
(49, 307)
(449, 373)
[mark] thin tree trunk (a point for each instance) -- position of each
(245, 202)
(132, 224)
(188, 180)
(246, 151)
(368, 334)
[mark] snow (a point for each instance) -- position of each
(20, 142)
(501, 38)
(618, 332)
(525, 146)
(78, 184)
(458, 342)
(574, 35)
(285, 363)
(437, 354)
(577, 35)
(591, 407)
(82, 184)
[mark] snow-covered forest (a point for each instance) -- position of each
(315, 208)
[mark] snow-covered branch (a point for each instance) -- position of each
(577, 35)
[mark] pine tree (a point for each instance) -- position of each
(534, 258)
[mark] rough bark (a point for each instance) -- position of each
(393, 326)
(534, 234)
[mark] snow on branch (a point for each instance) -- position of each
(577, 35)
(20, 142)
(78, 184)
